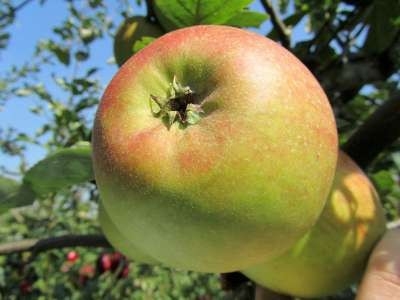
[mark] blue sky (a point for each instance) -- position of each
(35, 22)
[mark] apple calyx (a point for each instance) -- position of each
(179, 106)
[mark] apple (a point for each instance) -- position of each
(334, 253)
(105, 262)
(113, 262)
(125, 272)
(214, 149)
(130, 31)
(86, 272)
(25, 287)
(118, 241)
(72, 256)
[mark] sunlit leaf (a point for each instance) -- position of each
(382, 25)
(247, 19)
(174, 14)
(61, 169)
(141, 43)
(383, 179)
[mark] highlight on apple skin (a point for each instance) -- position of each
(333, 255)
(130, 31)
(214, 149)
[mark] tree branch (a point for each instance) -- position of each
(329, 28)
(342, 80)
(281, 28)
(14, 10)
(350, 76)
(379, 131)
(342, 76)
(39, 245)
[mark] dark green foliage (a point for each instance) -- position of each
(13, 193)
(177, 14)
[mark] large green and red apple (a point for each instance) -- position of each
(214, 149)
(334, 253)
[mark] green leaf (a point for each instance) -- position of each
(61, 169)
(174, 14)
(86, 103)
(91, 71)
(382, 25)
(293, 19)
(87, 34)
(13, 194)
(290, 21)
(384, 180)
(4, 38)
(62, 54)
(247, 19)
(143, 42)
(81, 55)
(23, 92)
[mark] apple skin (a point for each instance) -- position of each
(334, 253)
(130, 31)
(240, 186)
(118, 241)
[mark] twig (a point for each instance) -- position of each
(39, 245)
(15, 9)
(379, 131)
(356, 13)
(281, 28)
(342, 80)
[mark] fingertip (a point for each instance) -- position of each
(382, 277)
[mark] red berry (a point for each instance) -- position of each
(106, 262)
(116, 259)
(72, 256)
(125, 272)
(25, 287)
(85, 272)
